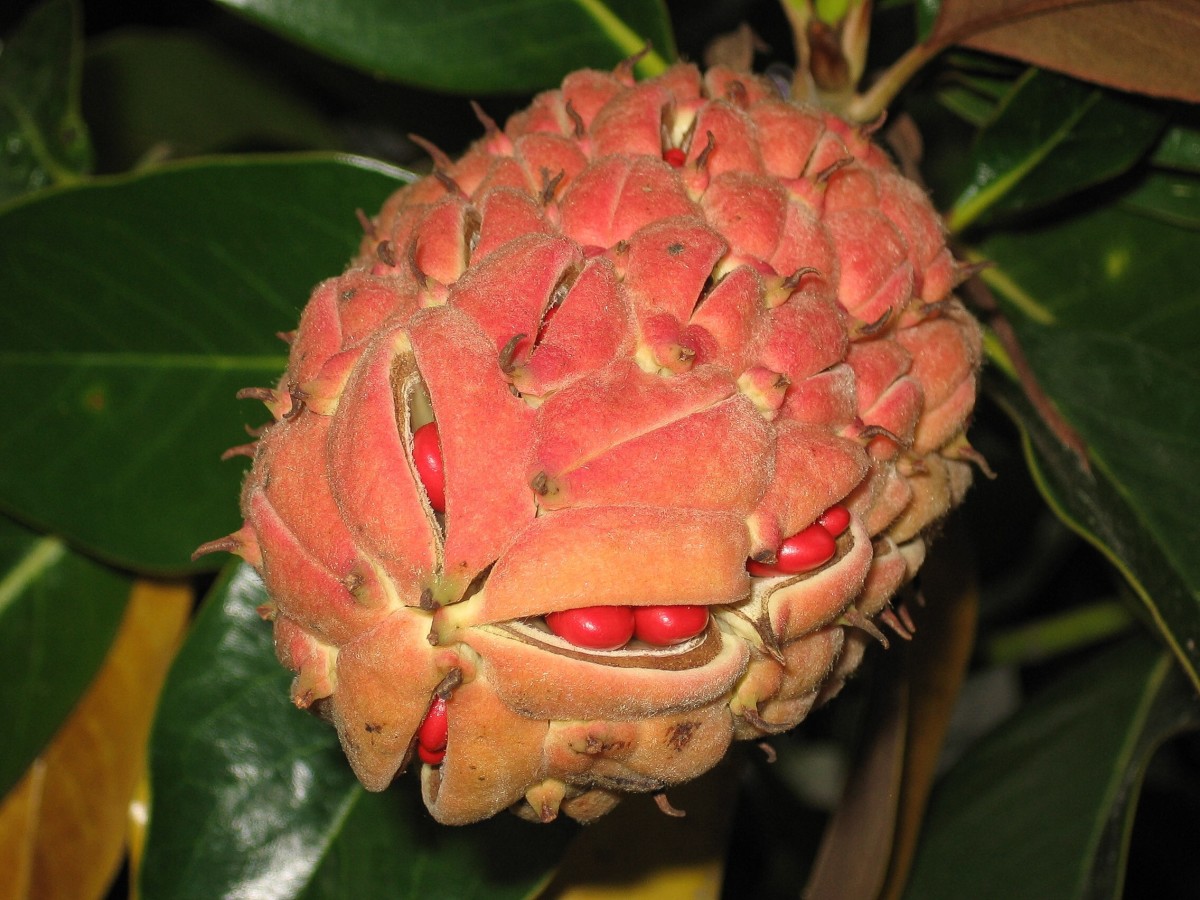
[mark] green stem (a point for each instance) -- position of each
(1059, 634)
(978, 198)
(42, 556)
(628, 40)
(60, 174)
(868, 107)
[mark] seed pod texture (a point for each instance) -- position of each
(697, 386)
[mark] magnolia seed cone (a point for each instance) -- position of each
(661, 328)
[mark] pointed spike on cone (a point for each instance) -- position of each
(577, 124)
(826, 173)
(625, 67)
(242, 543)
(266, 395)
(892, 621)
(861, 330)
(440, 159)
(856, 619)
(768, 752)
(960, 449)
(660, 799)
(364, 222)
(246, 450)
(866, 129)
(488, 123)
(964, 272)
(870, 432)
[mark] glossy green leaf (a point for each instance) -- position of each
(1050, 137)
(43, 139)
(1042, 806)
(1173, 197)
(1096, 508)
(473, 46)
(158, 93)
(967, 104)
(59, 613)
(245, 789)
(1179, 149)
(1107, 307)
(135, 309)
(389, 847)
(251, 797)
(927, 13)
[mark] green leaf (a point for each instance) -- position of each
(43, 139)
(135, 309)
(473, 46)
(1179, 149)
(1107, 308)
(1042, 807)
(59, 613)
(388, 846)
(967, 104)
(1173, 197)
(927, 13)
(148, 91)
(251, 797)
(1052, 136)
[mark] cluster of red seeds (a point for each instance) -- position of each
(613, 627)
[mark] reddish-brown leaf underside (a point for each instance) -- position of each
(1146, 46)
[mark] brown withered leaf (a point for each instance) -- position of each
(1145, 46)
(867, 849)
(64, 825)
(935, 670)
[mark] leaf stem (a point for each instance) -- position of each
(1056, 635)
(43, 555)
(650, 62)
(868, 106)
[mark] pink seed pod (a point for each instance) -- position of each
(427, 456)
(835, 520)
(662, 626)
(594, 627)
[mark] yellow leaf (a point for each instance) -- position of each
(638, 853)
(64, 825)
(18, 820)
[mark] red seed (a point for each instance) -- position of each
(802, 552)
(805, 550)
(675, 157)
(662, 626)
(546, 317)
(435, 727)
(427, 457)
(432, 757)
(594, 627)
(835, 520)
